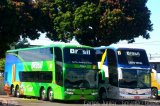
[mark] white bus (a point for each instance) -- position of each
(124, 73)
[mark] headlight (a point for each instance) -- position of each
(94, 93)
(123, 92)
(148, 92)
(68, 92)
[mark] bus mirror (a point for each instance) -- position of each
(101, 77)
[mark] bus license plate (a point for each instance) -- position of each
(82, 97)
(136, 97)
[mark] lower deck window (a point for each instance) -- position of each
(36, 76)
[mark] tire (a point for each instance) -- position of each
(13, 91)
(102, 95)
(43, 94)
(154, 93)
(50, 95)
(17, 92)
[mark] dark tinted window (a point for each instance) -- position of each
(132, 57)
(99, 53)
(81, 78)
(135, 78)
(6, 76)
(112, 66)
(36, 76)
(112, 61)
(58, 54)
(58, 65)
(40, 54)
(158, 67)
(155, 66)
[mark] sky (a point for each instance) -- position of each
(152, 45)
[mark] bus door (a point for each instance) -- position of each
(113, 73)
(58, 66)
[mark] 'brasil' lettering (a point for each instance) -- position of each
(37, 65)
(133, 53)
(79, 51)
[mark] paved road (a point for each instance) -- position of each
(12, 101)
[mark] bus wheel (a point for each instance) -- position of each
(154, 93)
(50, 95)
(13, 91)
(43, 94)
(17, 92)
(102, 95)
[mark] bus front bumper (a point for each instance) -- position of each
(134, 97)
(81, 95)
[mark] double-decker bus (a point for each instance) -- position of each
(155, 78)
(59, 71)
(125, 73)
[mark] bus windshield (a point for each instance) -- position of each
(132, 57)
(79, 56)
(81, 78)
(135, 78)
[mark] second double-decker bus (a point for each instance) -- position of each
(59, 71)
(155, 78)
(125, 73)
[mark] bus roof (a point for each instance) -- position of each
(117, 47)
(60, 44)
(154, 61)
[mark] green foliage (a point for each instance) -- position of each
(92, 22)
(20, 19)
(124, 20)
(101, 22)
(2, 63)
(86, 23)
(23, 43)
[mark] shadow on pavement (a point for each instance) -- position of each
(8, 103)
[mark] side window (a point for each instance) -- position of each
(40, 54)
(158, 67)
(58, 66)
(5, 76)
(155, 66)
(36, 76)
(99, 53)
(112, 66)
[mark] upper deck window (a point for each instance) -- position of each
(132, 57)
(40, 54)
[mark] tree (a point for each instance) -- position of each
(2, 63)
(23, 43)
(20, 18)
(92, 22)
(101, 22)
(125, 20)
(74, 18)
(5, 14)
